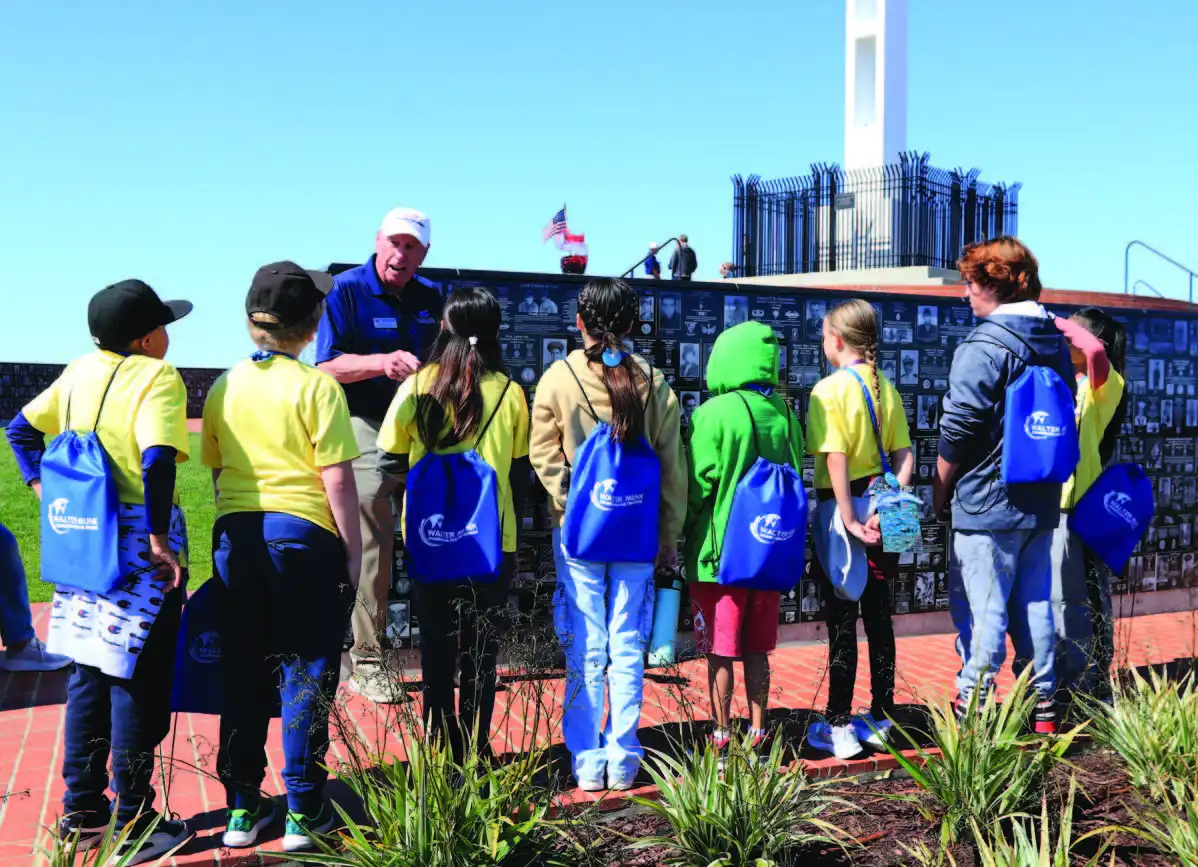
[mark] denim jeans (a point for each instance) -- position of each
(1070, 608)
(1007, 579)
(289, 599)
(16, 622)
(603, 615)
(127, 718)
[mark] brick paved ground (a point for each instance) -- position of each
(31, 720)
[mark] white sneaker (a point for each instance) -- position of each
(592, 785)
(839, 741)
(379, 689)
(874, 732)
(33, 657)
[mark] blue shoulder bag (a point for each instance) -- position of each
(453, 526)
(615, 495)
(79, 509)
(898, 510)
(765, 540)
(1113, 514)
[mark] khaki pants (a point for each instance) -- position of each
(378, 550)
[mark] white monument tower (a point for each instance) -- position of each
(875, 79)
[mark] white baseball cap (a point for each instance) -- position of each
(407, 221)
(652, 246)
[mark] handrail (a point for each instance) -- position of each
(1127, 265)
(1149, 285)
(631, 272)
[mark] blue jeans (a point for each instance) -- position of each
(1070, 608)
(16, 622)
(603, 615)
(289, 600)
(127, 718)
(1007, 579)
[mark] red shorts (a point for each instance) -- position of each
(733, 621)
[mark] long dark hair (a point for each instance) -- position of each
(609, 309)
(466, 350)
(1114, 340)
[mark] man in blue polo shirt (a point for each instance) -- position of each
(380, 320)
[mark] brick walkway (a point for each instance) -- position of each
(31, 720)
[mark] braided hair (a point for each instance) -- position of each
(608, 309)
(856, 322)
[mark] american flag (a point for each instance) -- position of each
(556, 226)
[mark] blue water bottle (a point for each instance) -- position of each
(667, 601)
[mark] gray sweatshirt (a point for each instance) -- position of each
(971, 423)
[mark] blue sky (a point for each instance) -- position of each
(189, 143)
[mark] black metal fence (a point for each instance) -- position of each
(903, 214)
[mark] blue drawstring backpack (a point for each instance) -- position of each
(79, 509)
(897, 509)
(1040, 443)
(453, 528)
(615, 494)
(1114, 513)
(198, 686)
(765, 540)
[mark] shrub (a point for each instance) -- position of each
(435, 812)
(1027, 843)
(987, 768)
(1153, 726)
(64, 851)
(747, 811)
(1171, 825)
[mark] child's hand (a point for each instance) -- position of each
(874, 523)
(867, 534)
(168, 568)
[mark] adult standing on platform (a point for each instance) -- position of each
(380, 319)
(684, 262)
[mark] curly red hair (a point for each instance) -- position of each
(1004, 265)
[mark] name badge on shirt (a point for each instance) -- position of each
(385, 322)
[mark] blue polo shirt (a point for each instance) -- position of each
(362, 318)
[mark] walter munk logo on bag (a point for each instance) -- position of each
(604, 497)
(1038, 427)
(434, 534)
(1116, 503)
(768, 529)
(205, 649)
(62, 522)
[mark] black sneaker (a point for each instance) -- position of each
(91, 828)
(166, 837)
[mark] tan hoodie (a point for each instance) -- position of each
(560, 424)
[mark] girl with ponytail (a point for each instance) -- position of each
(847, 445)
(606, 445)
(462, 400)
(1081, 586)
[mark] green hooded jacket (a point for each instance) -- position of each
(721, 443)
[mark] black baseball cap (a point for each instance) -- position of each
(287, 292)
(123, 312)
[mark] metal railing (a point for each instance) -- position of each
(1191, 274)
(1148, 285)
(898, 215)
(631, 272)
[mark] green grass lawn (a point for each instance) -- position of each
(19, 512)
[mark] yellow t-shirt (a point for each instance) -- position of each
(505, 440)
(146, 406)
(1095, 409)
(838, 421)
(270, 427)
